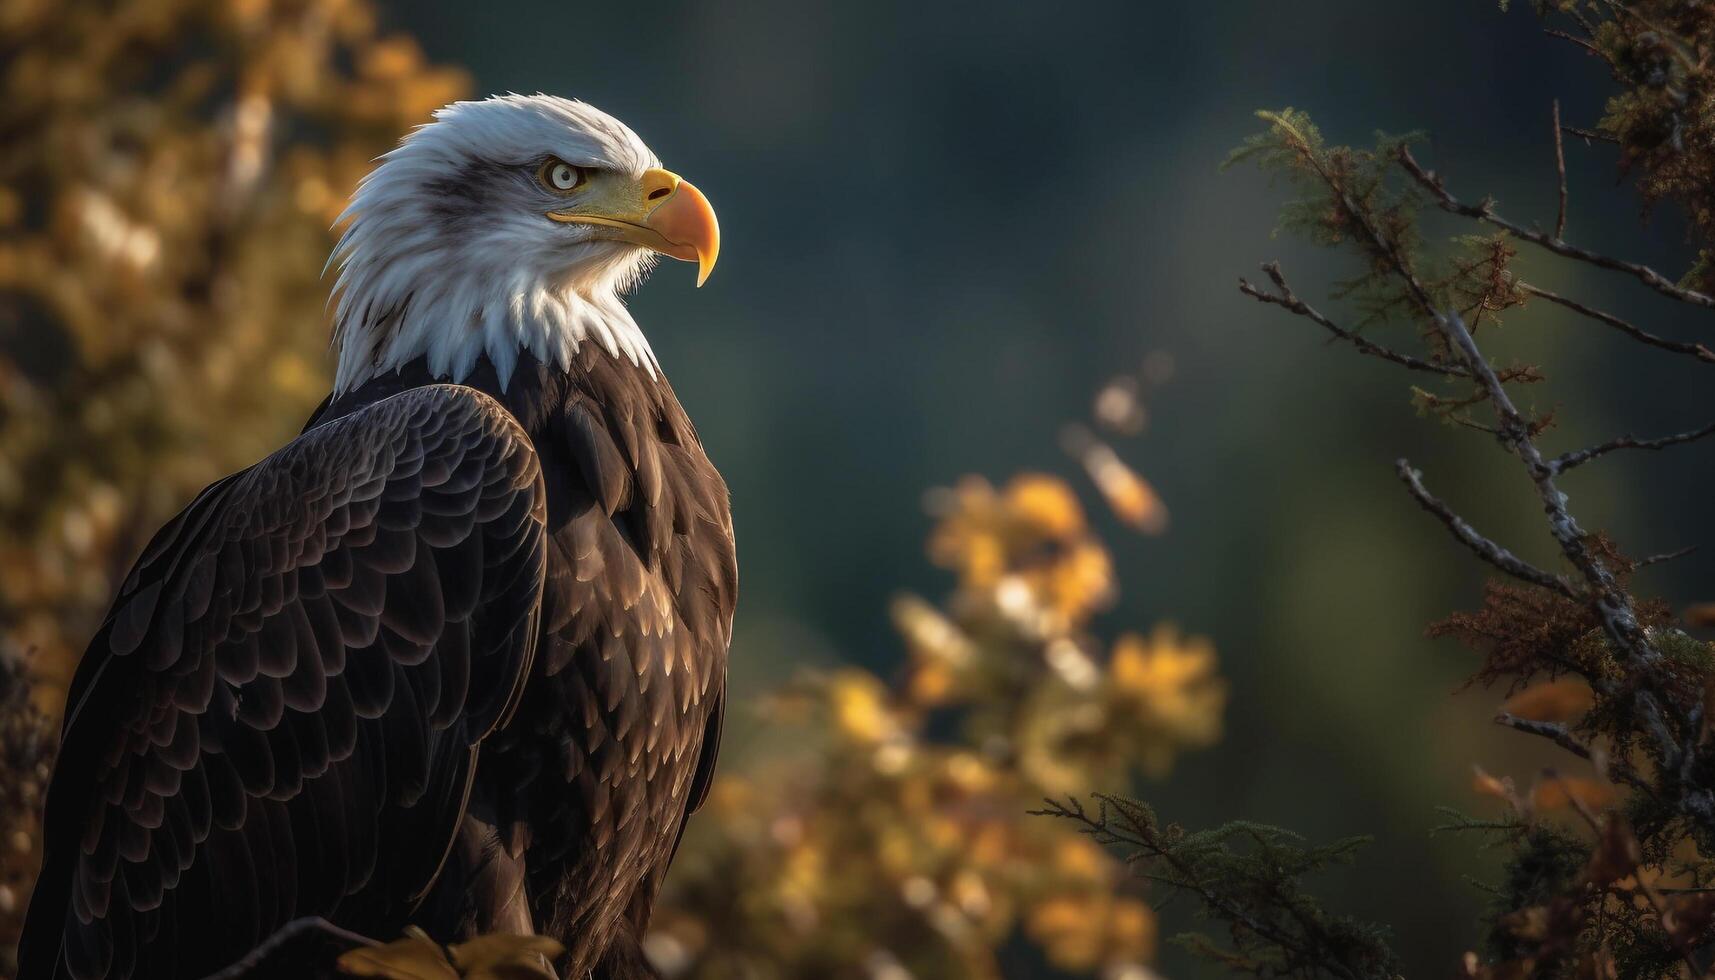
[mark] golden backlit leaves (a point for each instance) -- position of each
(889, 825)
(1095, 927)
(27, 745)
(167, 182)
(166, 189)
(1024, 554)
(494, 957)
(1131, 497)
(1171, 684)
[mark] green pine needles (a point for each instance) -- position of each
(1247, 878)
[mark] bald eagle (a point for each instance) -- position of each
(455, 656)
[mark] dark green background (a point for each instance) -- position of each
(946, 224)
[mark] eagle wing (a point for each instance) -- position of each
(285, 704)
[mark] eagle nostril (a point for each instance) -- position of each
(659, 193)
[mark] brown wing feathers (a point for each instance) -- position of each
(286, 697)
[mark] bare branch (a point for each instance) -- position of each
(1560, 168)
(1485, 211)
(1484, 548)
(1590, 135)
(1289, 301)
(1559, 735)
(297, 943)
(1566, 461)
(1589, 48)
(1555, 733)
(1699, 351)
(1666, 556)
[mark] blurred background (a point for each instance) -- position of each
(947, 226)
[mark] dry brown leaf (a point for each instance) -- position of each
(1702, 614)
(1557, 700)
(1551, 794)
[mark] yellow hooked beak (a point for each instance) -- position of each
(659, 211)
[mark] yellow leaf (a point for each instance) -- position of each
(508, 957)
(861, 711)
(415, 957)
(1045, 503)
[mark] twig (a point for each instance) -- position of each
(1485, 211)
(1145, 842)
(1665, 556)
(1545, 729)
(1566, 461)
(1560, 168)
(1559, 735)
(1586, 45)
(288, 933)
(1699, 351)
(1484, 548)
(1289, 301)
(1590, 135)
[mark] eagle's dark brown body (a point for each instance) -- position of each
(450, 658)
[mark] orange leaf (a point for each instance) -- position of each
(1554, 793)
(1558, 700)
(1489, 785)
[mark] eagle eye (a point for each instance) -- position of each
(561, 177)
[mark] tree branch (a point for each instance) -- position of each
(1699, 351)
(1560, 168)
(1590, 135)
(1289, 301)
(1484, 548)
(1566, 461)
(307, 947)
(1559, 735)
(1610, 601)
(1485, 211)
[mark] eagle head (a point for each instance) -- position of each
(510, 224)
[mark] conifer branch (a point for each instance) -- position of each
(1246, 875)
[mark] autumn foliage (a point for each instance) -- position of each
(890, 829)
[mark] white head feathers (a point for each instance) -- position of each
(447, 254)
